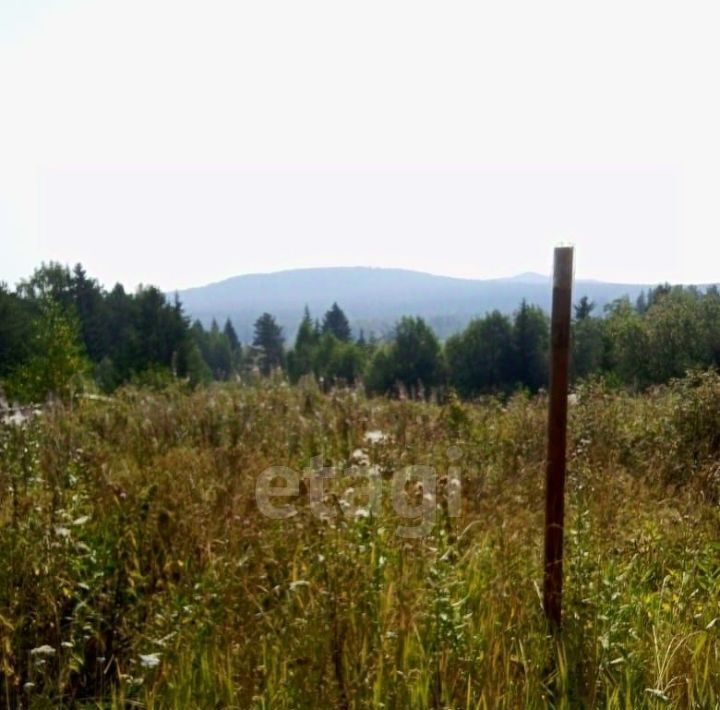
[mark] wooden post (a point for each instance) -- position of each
(557, 435)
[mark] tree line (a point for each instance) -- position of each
(60, 329)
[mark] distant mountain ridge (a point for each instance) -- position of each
(375, 298)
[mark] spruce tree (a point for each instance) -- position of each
(531, 334)
(583, 309)
(336, 322)
(301, 359)
(270, 342)
(231, 335)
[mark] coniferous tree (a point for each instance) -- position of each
(123, 346)
(15, 330)
(583, 308)
(307, 335)
(641, 303)
(220, 358)
(530, 339)
(161, 330)
(90, 308)
(198, 371)
(231, 335)
(336, 322)
(667, 331)
(270, 343)
(301, 359)
(417, 353)
(588, 354)
(654, 296)
(236, 349)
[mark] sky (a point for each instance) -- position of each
(179, 143)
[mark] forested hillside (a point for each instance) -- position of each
(62, 332)
(375, 299)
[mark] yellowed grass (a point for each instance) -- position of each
(133, 548)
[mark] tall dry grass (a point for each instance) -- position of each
(136, 570)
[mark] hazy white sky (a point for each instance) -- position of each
(178, 143)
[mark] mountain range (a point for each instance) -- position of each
(375, 298)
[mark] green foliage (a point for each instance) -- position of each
(269, 342)
(338, 361)
(380, 375)
(57, 364)
(154, 377)
(676, 336)
(530, 347)
(584, 308)
(105, 375)
(324, 355)
(50, 281)
(627, 346)
(587, 346)
(16, 316)
(217, 350)
(123, 334)
(137, 571)
(231, 335)
(129, 333)
(413, 359)
(495, 355)
(198, 370)
(480, 359)
(336, 323)
(666, 333)
(301, 359)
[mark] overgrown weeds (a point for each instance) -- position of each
(137, 570)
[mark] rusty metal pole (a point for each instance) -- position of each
(557, 435)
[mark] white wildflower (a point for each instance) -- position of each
(149, 660)
(346, 500)
(375, 436)
(43, 650)
(360, 458)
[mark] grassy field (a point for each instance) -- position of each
(137, 571)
